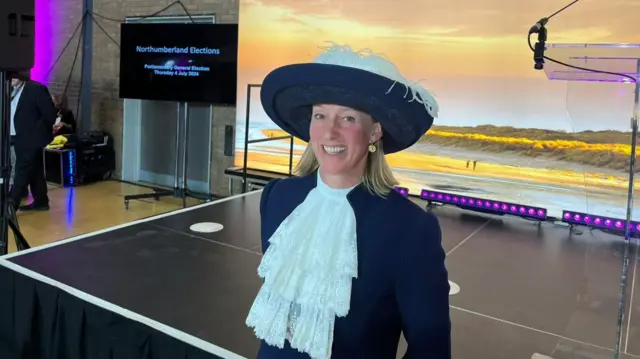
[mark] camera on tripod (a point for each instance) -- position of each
(17, 41)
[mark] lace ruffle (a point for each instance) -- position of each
(307, 270)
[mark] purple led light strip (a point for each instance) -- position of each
(591, 220)
(522, 210)
(484, 204)
(402, 190)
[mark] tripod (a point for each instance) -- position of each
(8, 218)
(180, 188)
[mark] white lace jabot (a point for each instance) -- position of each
(307, 271)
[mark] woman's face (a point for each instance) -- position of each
(340, 139)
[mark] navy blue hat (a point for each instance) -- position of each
(358, 80)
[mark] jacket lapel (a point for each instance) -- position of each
(21, 100)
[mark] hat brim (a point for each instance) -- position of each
(289, 93)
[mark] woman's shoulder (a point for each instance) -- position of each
(286, 185)
(411, 220)
(285, 190)
(401, 206)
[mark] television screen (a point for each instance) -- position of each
(179, 62)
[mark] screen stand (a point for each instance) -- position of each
(8, 218)
(180, 188)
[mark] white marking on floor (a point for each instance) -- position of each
(125, 225)
(534, 329)
(453, 288)
(204, 239)
(468, 237)
(540, 356)
(206, 227)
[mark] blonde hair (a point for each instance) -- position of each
(378, 177)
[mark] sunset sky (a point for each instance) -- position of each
(472, 54)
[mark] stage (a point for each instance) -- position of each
(160, 290)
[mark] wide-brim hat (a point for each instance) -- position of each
(359, 80)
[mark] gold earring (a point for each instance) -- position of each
(372, 148)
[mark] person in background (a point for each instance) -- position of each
(65, 121)
(349, 263)
(33, 115)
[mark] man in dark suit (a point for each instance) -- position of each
(32, 118)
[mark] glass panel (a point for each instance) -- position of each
(613, 58)
(599, 109)
(158, 124)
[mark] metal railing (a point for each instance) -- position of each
(247, 142)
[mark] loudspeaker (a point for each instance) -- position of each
(17, 35)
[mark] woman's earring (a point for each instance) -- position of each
(372, 148)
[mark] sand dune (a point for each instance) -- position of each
(444, 165)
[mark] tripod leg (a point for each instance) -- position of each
(21, 242)
(12, 222)
(11, 212)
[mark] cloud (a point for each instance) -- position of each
(292, 20)
(481, 18)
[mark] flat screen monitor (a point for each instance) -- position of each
(179, 62)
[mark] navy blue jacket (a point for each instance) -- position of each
(402, 283)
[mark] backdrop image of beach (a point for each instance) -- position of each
(581, 171)
(504, 132)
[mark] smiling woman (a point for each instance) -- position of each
(340, 139)
(343, 274)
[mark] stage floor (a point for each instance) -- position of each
(524, 289)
